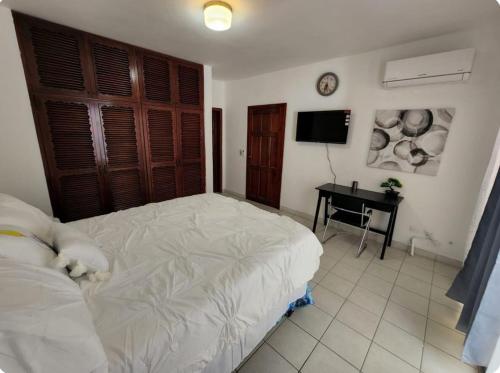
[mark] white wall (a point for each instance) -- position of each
(208, 93)
(442, 204)
(21, 168)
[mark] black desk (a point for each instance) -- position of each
(374, 200)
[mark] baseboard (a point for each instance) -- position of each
(345, 227)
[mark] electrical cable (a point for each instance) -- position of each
(330, 163)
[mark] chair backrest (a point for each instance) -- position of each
(346, 203)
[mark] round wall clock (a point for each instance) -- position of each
(327, 84)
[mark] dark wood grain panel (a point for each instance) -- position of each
(157, 79)
(70, 134)
(79, 197)
(118, 125)
(189, 84)
(164, 183)
(126, 189)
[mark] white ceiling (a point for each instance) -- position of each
(267, 35)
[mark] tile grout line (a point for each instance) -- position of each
(381, 318)
(333, 318)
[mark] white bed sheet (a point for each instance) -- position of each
(190, 278)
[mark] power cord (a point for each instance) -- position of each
(330, 163)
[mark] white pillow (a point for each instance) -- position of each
(45, 325)
(15, 212)
(78, 251)
(26, 250)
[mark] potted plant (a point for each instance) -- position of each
(391, 183)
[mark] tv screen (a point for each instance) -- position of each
(323, 126)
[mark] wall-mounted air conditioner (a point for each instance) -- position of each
(444, 67)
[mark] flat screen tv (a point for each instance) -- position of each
(323, 126)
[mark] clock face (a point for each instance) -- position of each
(327, 84)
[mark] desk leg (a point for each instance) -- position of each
(393, 224)
(325, 218)
(388, 233)
(318, 205)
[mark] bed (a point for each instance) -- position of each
(196, 282)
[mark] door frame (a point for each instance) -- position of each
(217, 150)
(281, 145)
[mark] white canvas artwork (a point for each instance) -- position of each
(410, 140)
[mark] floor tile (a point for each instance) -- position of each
(347, 272)
(417, 272)
(273, 329)
(337, 284)
(444, 338)
(312, 320)
(411, 283)
(442, 281)
(391, 262)
(420, 261)
(292, 343)
(410, 300)
(359, 263)
(327, 301)
(347, 343)
(400, 343)
(382, 361)
(406, 319)
(446, 270)
(327, 262)
(266, 360)
(375, 285)
(323, 360)
(437, 361)
(443, 314)
(334, 252)
(359, 319)
(320, 273)
(382, 272)
(341, 241)
(439, 295)
(368, 300)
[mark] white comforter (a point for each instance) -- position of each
(189, 277)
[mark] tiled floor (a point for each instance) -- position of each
(370, 316)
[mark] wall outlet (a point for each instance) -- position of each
(242, 152)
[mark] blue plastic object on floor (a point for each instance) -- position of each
(306, 300)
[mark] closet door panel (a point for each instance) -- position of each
(54, 57)
(192, 151)
(125, 175)
(189, 84)
(70, 144)
(160, 125)
(157, 78)
(114, 67)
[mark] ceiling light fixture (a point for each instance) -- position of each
(218, 15)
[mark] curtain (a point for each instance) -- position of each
(477, 285)
(488, 180)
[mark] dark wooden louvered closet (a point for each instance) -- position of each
(118, 126)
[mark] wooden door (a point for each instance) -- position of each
(114, 69)
(192, 151)
(160, 126)
(123, 151)
(265, 145)
(217, 148)
(69, 138)
(54, 58)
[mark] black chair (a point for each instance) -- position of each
(352, 212)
